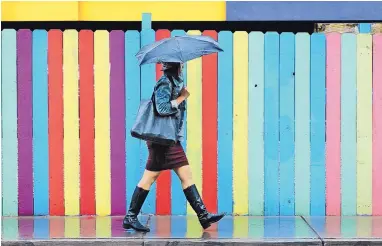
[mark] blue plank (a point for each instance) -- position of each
(256, 124)
(178, 200)
(146, 21)
(303, 10)
(349, 124)
(178, 226)
(40, 122)
(302, 124)
(148, 81)
(287, 124)
(271, 124)
(364, 28)
(317, 124)
(9, 150)
(225, 122)
(41, 228)
(132, 94)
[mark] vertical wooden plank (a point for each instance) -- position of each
(86, 104)
(40, 122)
(178, 200)
(240, 123)
(255, 123)
(364, 27)
(72, 225)
(71, 123)
(364, 124)
(209, 126)
(348, 124)
(9, 144)
(102, 122)
(57, 227)
(24, 116)
(147, 87)
(302, 124)
(333, 124)
(41, 227)
(287, 124)
(132, 101)
(10, 225)
(377, 124)
(225, 122)
(317, 124)
(163, 203)
(271, 124)
(194, 114)
(56, 123)
(117, 122)
(87, 225)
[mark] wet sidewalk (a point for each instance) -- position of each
(185, 230)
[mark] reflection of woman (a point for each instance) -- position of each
(169, 96)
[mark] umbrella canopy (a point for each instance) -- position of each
(177, 49)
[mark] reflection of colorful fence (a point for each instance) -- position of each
(279, 124)
(175, 227)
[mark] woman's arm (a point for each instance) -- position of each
(164, 105)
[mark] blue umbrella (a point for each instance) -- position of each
(177, 49)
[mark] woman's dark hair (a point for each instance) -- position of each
(173, 71)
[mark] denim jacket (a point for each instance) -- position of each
(165, 100)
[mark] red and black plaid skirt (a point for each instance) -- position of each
(165, 157)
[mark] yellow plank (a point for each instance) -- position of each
(71, 124)
(364, 124)
(160, 10)
(102, 122)
(240, 123)
(194, 122)
(39, 11)
(103, 227)
(72, 227)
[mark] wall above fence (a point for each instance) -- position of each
(277, 124)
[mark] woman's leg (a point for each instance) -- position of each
(139, 196)
(193, 197)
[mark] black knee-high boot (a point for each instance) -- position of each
(196, 202)
(131, 221)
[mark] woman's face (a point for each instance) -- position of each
(180, 69)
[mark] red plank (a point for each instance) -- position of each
(163, 201)
(56, 124)
(87, 169)
(209, 127)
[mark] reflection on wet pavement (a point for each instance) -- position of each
(187, 227)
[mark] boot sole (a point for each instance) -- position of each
(127, 227)
(205, 226)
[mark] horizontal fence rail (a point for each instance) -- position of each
(278, 124)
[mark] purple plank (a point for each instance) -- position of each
(117, 122)
(24, 121)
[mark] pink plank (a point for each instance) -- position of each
(377, 124)
(117, 122)
(24, 122)
(333, 124)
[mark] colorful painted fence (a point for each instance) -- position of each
(278, 124)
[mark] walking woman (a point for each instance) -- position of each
(169, 98)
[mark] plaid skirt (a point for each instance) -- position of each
(165, 157)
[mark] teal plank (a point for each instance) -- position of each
(9, 123)
(302, 125)
(40, 122)
(225, 122)
(348, 124)
(317, 124)
(364, 27)
(255, 123)
(133, 97)
(271, 124)
(148, 81)
(287, 123)
(9, 228)
(178, 200)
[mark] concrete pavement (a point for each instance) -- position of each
(185, 230)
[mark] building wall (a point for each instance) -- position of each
(277, 124)
(351, 11)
